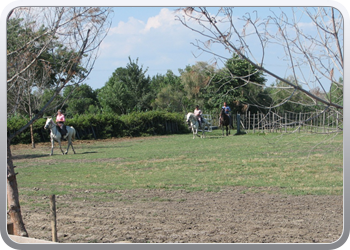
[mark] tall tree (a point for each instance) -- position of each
(127, 90)
(80, 31)
(308, 41)
(194, 79)
(168, 92)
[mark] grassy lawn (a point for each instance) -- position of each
(295, 164)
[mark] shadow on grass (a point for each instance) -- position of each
(21, 157)
(84, 153)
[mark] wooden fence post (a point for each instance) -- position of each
(254, 123)
(238, 124)
(53, 217)
(285, 122)
(248, 121)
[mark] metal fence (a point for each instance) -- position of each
(315, 122)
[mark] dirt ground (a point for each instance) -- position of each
(233, 215)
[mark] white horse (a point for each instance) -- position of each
(195, 124)
(55, 135)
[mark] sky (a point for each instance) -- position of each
(161, 43)
(151, 35)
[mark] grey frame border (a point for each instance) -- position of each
(342, 241)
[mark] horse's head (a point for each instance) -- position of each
(189, 117)
(222, 112)
(48, 123)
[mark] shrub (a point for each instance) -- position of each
(103, 126)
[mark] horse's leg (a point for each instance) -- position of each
(59, 143)
(52, 142)
(69, 142)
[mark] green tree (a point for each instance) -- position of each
(286, 98)
(127, 90)
(336, 92)
(79, 100)
(238, 83)
(195, 79)
(81, 30)
(169, 94)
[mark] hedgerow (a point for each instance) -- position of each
(103, 126)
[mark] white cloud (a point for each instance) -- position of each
(166, 18)
(160, 42)
(133, 26)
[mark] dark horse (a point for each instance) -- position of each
(225, 121)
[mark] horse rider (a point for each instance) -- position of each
(60, 119)
(227, 112)
(198, 114)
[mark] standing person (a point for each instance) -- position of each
(198, 113)
(60, 119)
(227, 112)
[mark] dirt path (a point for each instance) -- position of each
(156, 216)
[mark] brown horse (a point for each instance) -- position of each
(225, 121)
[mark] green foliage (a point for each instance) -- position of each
(238, 82)
(336, 93)
(285, 98)
(102, 126)
(80, 100)
(16, 122)
(127, 90)
(169, 92)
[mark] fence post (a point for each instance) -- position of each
(238, 124)
(248, 121)
(324, 122)
(285, 122)
(53, 217)
(337, 121)
(254, 123)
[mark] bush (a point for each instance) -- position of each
(103, 126)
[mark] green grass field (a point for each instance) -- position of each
(296, 164)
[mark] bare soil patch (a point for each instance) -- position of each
(233, 215)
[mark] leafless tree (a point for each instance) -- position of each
(307, 41)
(70, 38)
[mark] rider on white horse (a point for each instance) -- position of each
(198, 113)
(60, 119)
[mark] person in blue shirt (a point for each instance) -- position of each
(227, 112)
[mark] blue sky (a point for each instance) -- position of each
(160, 43)
(152, 35)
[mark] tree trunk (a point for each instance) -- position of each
(32, 135)
(31, 125)
(14, 209)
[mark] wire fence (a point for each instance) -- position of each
(322, 121)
